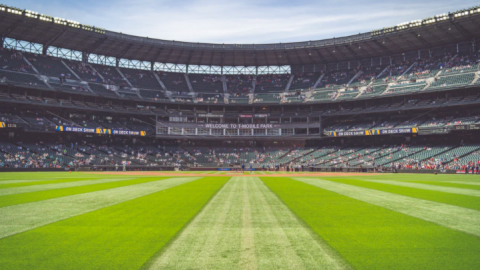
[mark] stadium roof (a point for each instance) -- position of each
(462, 26)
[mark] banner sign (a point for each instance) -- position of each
(100, 131)
(242, 126)
(372, 132)
(210, 115)
(237, 126)
(224, 169)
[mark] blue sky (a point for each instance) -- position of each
(224, 21)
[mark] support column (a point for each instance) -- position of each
(320, 125)
(85, 57)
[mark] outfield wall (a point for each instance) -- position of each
(33, 169)
(120, 168)
(428, 171)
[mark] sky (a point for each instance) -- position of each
(250, 22)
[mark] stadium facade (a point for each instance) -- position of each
(75, 95)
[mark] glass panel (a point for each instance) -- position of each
(170, 67)
(189, 131)
(259, 132)
(134, 64)
(24, 46)
(273, 132)
(162, 130)
(287, 131)
(64, 53)
(245, 132)
(176, 131)
(203, 131)
(231, 132)
(101, 60)
(217, 132)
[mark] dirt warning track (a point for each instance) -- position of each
(279, 174)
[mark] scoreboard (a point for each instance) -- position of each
(467, 127)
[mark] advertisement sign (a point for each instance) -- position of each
(372, 132)
(101, 131)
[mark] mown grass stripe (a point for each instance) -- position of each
(447, 189)
(212, 239)
(373, 237)
(453, 217)
(424, 194)
(240, 229)
(450, 184)
(281, 240)
(465, 183)
(123, 236)
(43, 182)
(23, 217)
(248, 259)
(273, 247)
(6, 176)
(12, 181)
(26, 189)
(15, 199)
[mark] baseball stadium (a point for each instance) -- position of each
(119, 151)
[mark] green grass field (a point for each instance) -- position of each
(211, 220)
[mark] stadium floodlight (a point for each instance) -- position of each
(14, 11)
(442, 17)
(415, 23)
(428, 20)
(42, 17)
(31, 14)
(461, 13)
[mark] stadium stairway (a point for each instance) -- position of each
(71, 70)
(354, 77)
(477, 76)
(159, 81)
(125, 78)
(189, 84)
(290, 80)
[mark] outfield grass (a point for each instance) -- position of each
(425, 194)
(466, 185)
(123, 236)
(373, 221)
(246, 227)
(22, 198)
(372, 237)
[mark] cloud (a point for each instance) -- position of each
(242, 21)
